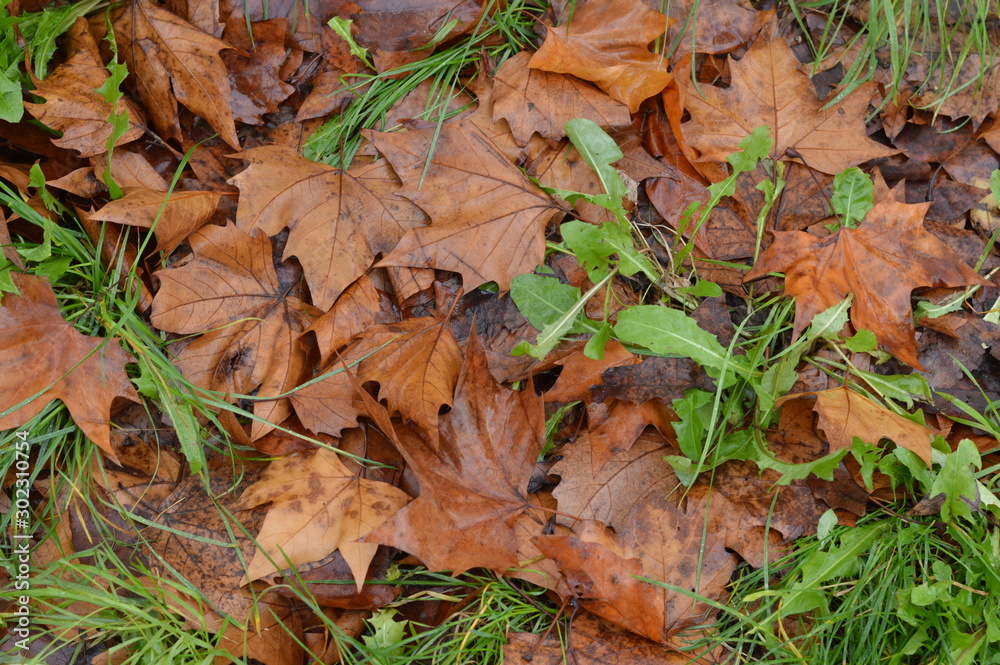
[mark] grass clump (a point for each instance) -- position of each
(503, 29)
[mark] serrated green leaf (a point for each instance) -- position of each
(343, 29)
(591, 247)
(957, 481)
(11, 102)
(828, 323)
(542, 300)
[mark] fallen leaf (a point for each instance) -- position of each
(397, 31)
(73, 104)
(609, 495)
(880, 262)
(487, 219)
(581, 374)
(658, 542)
(338, 220)
(173, 61)
(473, 484)
(257, 87)
(417, 365)
(844, 414)
(360, 306)
(232, 290)
(769, 90)
(181, 215)
(608, 43)
(591, 642)
(615, 424)
(532, 100)
(719, 26)
(43, 353)
(317, 507)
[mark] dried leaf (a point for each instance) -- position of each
(473, 485)
(74, 106)
(880, 262)
(487, 219)
(532, 100)
(232, 290)
(608, 43)
(317, 507)
(174, 61)
(769, 90)
(43, 353)
(338, 220)
(183, 214)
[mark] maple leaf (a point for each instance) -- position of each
(417, 367)
(532, 100)
(183, 214)
(844, 414)
(658, 542)
(769, 90)
(317, 507)
(473, 485)
(608, 43)
(609, 494)
(231, 289)
(75, 106)
(595, 642)
(360, 306)
(173, 61)
(487, 219)
(338, 220)
(41, 352)
(257, 87)
(880, 262)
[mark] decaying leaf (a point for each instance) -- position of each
(487, 219)
(174, 61)
(844, 414)
(317, 507)
(74, 106)
(608, 43)
(253, 321)
(532, 100)
(175, 217)
(473, 484)
(769, 90)
(43, 353)
(658, 542)
(338, 220)
(880, 262)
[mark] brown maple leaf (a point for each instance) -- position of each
(173, 61)
(230, 289)
(473, 485)
(769, 90)
(487, 219)
(417, 364)
(532, 100)
(658, 542)
(41, 352)
(880, 263)
(317, 507)
(257, 87)
(338, 220)
(183, 214)
(360, 306)
(844, 414)
(608, 43)
(594, 642)
(74, 106)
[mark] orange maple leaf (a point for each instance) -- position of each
(768, 89)
(880, 262)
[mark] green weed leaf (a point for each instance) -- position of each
(599, 151)
(853, 196)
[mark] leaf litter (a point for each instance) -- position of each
(412, 328)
